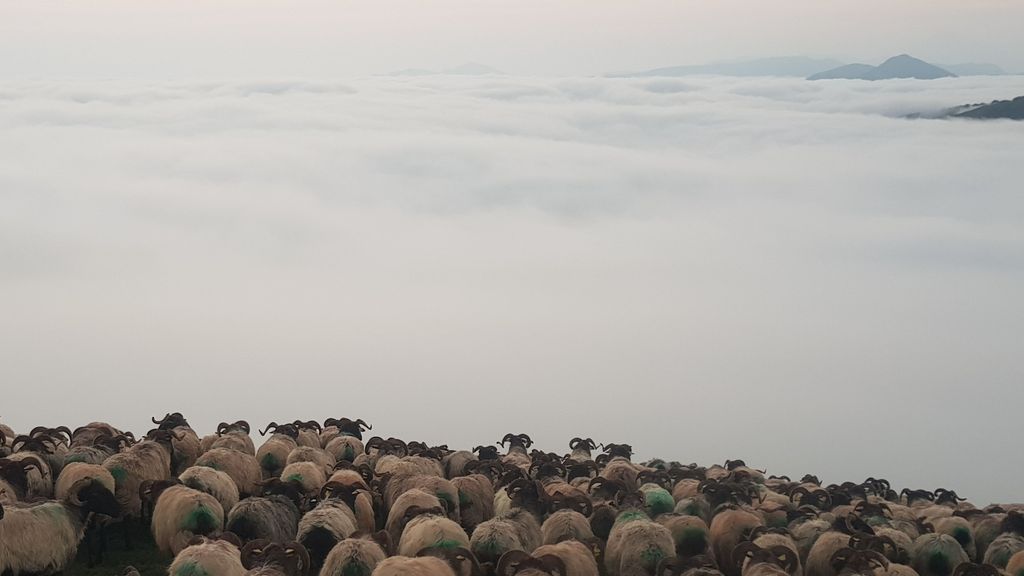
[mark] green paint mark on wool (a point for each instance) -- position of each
(447, 544)
(630, 517)
(962, 535)
(651, 557)
(692, 541)
(202, 520)
(119, 474)
(659, 502)
(190, 569)
(349, 453)
(463, 499)
(487, 548)
(269, 462)
(447, 498)
(294, 477)
(938, 563)
(355, 569)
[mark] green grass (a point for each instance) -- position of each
(144, 557)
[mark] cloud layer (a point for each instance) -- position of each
(778, 270)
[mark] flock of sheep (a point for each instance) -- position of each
(317, 499)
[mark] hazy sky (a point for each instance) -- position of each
(777, 270)
(241, 38)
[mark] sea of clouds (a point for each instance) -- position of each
(784, 271)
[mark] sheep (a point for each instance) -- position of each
(753, 560)
(515, 530)
(39, 479)
(241, 467)
(818, 562)
(636, 545)
(517, 446)
(689, 533)
(409, 505)
(343, 427)
(274, 516)
(182, 513)
(19, 479)
(728, 528)
(695, 566)
(937, 555)
(205, 557)
(440, 487)
(234, 436)
(1004, 547)
(581, 449)
(1009, 542)
(353, 557)
(214, 482)
(266, 558)
(103, 447)
(150, 459)
(425, 566)
(344, 448)
(657, 500)
(960, 529)
(850, 562)
(456, 464)
(519, 562)
(565, 525)
(323, 527)
(317, 456)
(44, 538)
(575, 556)
(76, 471)
(351, 488)
(431, 531)
(184, 442)
(309, 475)
(476, 500)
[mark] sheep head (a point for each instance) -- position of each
(847, 562)
(170, 421)
(486, 452)
(518, 562)
(90, 495)
(291, 559)
(462, 560)
(748, 553)
(348, 427)
(517, 440)
(582, 443)
(618, 450)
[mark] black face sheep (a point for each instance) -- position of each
(43, 538)
(147, 460)
(266, 558)
(274, 516)
(234, 436)
(323, 527)
(184, 443)
(753, 560)
(519, 562)
(581, 449)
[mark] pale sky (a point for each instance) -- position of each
(275, 38)
(221, 208)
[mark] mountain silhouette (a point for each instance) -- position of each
(902, 66)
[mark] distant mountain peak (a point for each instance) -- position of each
(901, 66)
